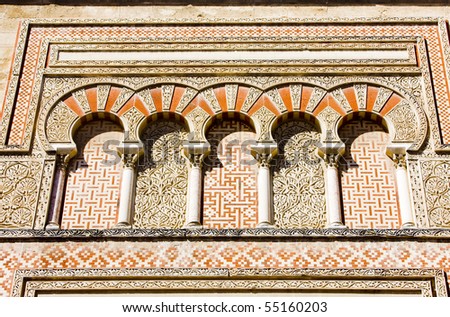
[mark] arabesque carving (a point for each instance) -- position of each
(298, 179)
(161, 185)
(19, 189)
(404, 120)
(58, 123)
(436, 180)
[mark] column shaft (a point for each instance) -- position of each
(194, 196)
(126, 197)
(127, 190)
(333, 192)
(264, 196)
(403, 192)
(58, 193)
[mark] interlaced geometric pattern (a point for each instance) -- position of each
(92, 188)
(368, 178)
(230, 195)
(219, 254)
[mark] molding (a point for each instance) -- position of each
(422, 282)
(18, 235)
(231, 21)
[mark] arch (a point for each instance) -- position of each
(406, 120)
(298, 175)
(131, 106)
(161, 184)
(295, 116)
(366, 169)
(93, 178)
(214, 100)
(230, 173)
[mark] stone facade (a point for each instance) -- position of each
(198, 141)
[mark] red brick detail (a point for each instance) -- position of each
(230, 195)
(92, 188)
(368, 178)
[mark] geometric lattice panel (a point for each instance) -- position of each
(368, 178)
(230, 196)
(93, 184)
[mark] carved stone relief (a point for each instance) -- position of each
(436, 180)
(58, 123)
(418, 193)
(162, 178)
(263, 117)
(329, 117)
(19, 189)
(404, 121)
(422, 282)
(298, 180)
(133, 117)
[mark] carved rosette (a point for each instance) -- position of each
(162, 178)
(19, 188)
(436, 179)
(298, 181)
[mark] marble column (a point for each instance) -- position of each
(59, 182)
(194, 192)
(127, 191)
(333, 192)
(194, 152)
(404, 199)
(265, 208)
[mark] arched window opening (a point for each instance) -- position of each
(368, 177)
(161, 185)
(298, 177)
(93, 180)
(230, 177)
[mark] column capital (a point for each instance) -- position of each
(196, 160)
(263, 159)
(331, 160)
(129, 160)
(62, 161)
(264, 152)
(195, 152)
(399, 160)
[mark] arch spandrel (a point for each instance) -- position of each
(408, 123)
(403, 118)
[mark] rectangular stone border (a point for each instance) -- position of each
(26, 26)
(424, 282)
(407, 44)
(265, 234)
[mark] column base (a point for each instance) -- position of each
(52, 226)
(408, 225)
(193, 226)
(122, 225)
(337, 225)
(265, 225)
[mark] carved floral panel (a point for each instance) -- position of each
(162, 178)
(298, 179)
(19, 188)
(436, 177)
